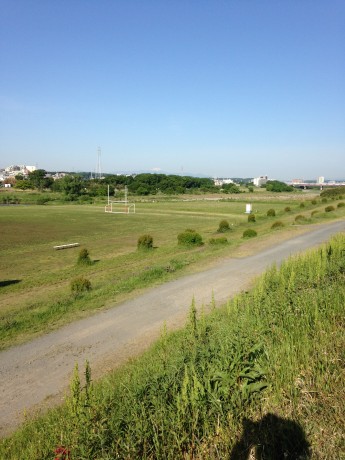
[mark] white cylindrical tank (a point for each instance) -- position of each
(248, 208)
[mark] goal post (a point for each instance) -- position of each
(119, 206)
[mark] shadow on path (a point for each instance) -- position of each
(271, 438)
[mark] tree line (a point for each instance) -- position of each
(74, 186)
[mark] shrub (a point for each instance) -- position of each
(329, 208)
(249, 233)
(300, 218)
(277, 224)
(84, 257)
(223, 226)
(80, 285)
(271, 213)
(189, 238)
(341, 204)
(324, 200)
(302, 205)
(287, 209)
(314, 212)
(42, 200)
(335, 192)
(313, 202)
(218, 241)
(145, 242)
(251, 218)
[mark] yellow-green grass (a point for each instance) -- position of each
(35, 279)
(265, 370)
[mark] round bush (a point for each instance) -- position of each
(341, 204)
(329, 208)
(314, 212)
(287, 209)
(145, 242)
(324, 200)
(80, 285)
(218, 241)
(84, 257)
(302, 205)
(251, 218)
(249, 233)
(189, 238)
(300, 218)
(271, 213)
(277, 224)
(223, 226)
(313, 202)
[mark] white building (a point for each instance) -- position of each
(258, 181)
(220, 182)
(14, 170)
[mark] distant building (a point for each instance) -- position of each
(220, 182)
(14, 170)
(258, 181)
(321, 180)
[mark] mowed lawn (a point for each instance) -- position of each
(35, 294)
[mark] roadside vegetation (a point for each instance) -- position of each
(35, 284)
(264, 372)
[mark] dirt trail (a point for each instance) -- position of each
(36, 374)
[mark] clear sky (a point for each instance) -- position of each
(227, 88)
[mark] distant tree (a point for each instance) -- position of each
(277, 186)
(231, 188)
(22, 184)
(38, 179)
(150, 184)
(98, 188)
(73, 186)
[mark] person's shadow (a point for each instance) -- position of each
(271, 438)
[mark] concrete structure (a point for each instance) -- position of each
(220, 182)
(258, 181)
(15, 170)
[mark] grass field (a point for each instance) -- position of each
(264, 372)
(35, 293)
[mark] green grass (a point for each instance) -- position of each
(273, 357)
(35, 279)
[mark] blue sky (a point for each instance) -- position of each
(228, 88)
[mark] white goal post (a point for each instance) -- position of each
(119, 207)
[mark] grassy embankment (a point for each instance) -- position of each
(265, 370)
(35, 293)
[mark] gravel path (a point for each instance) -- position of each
(37, 373)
